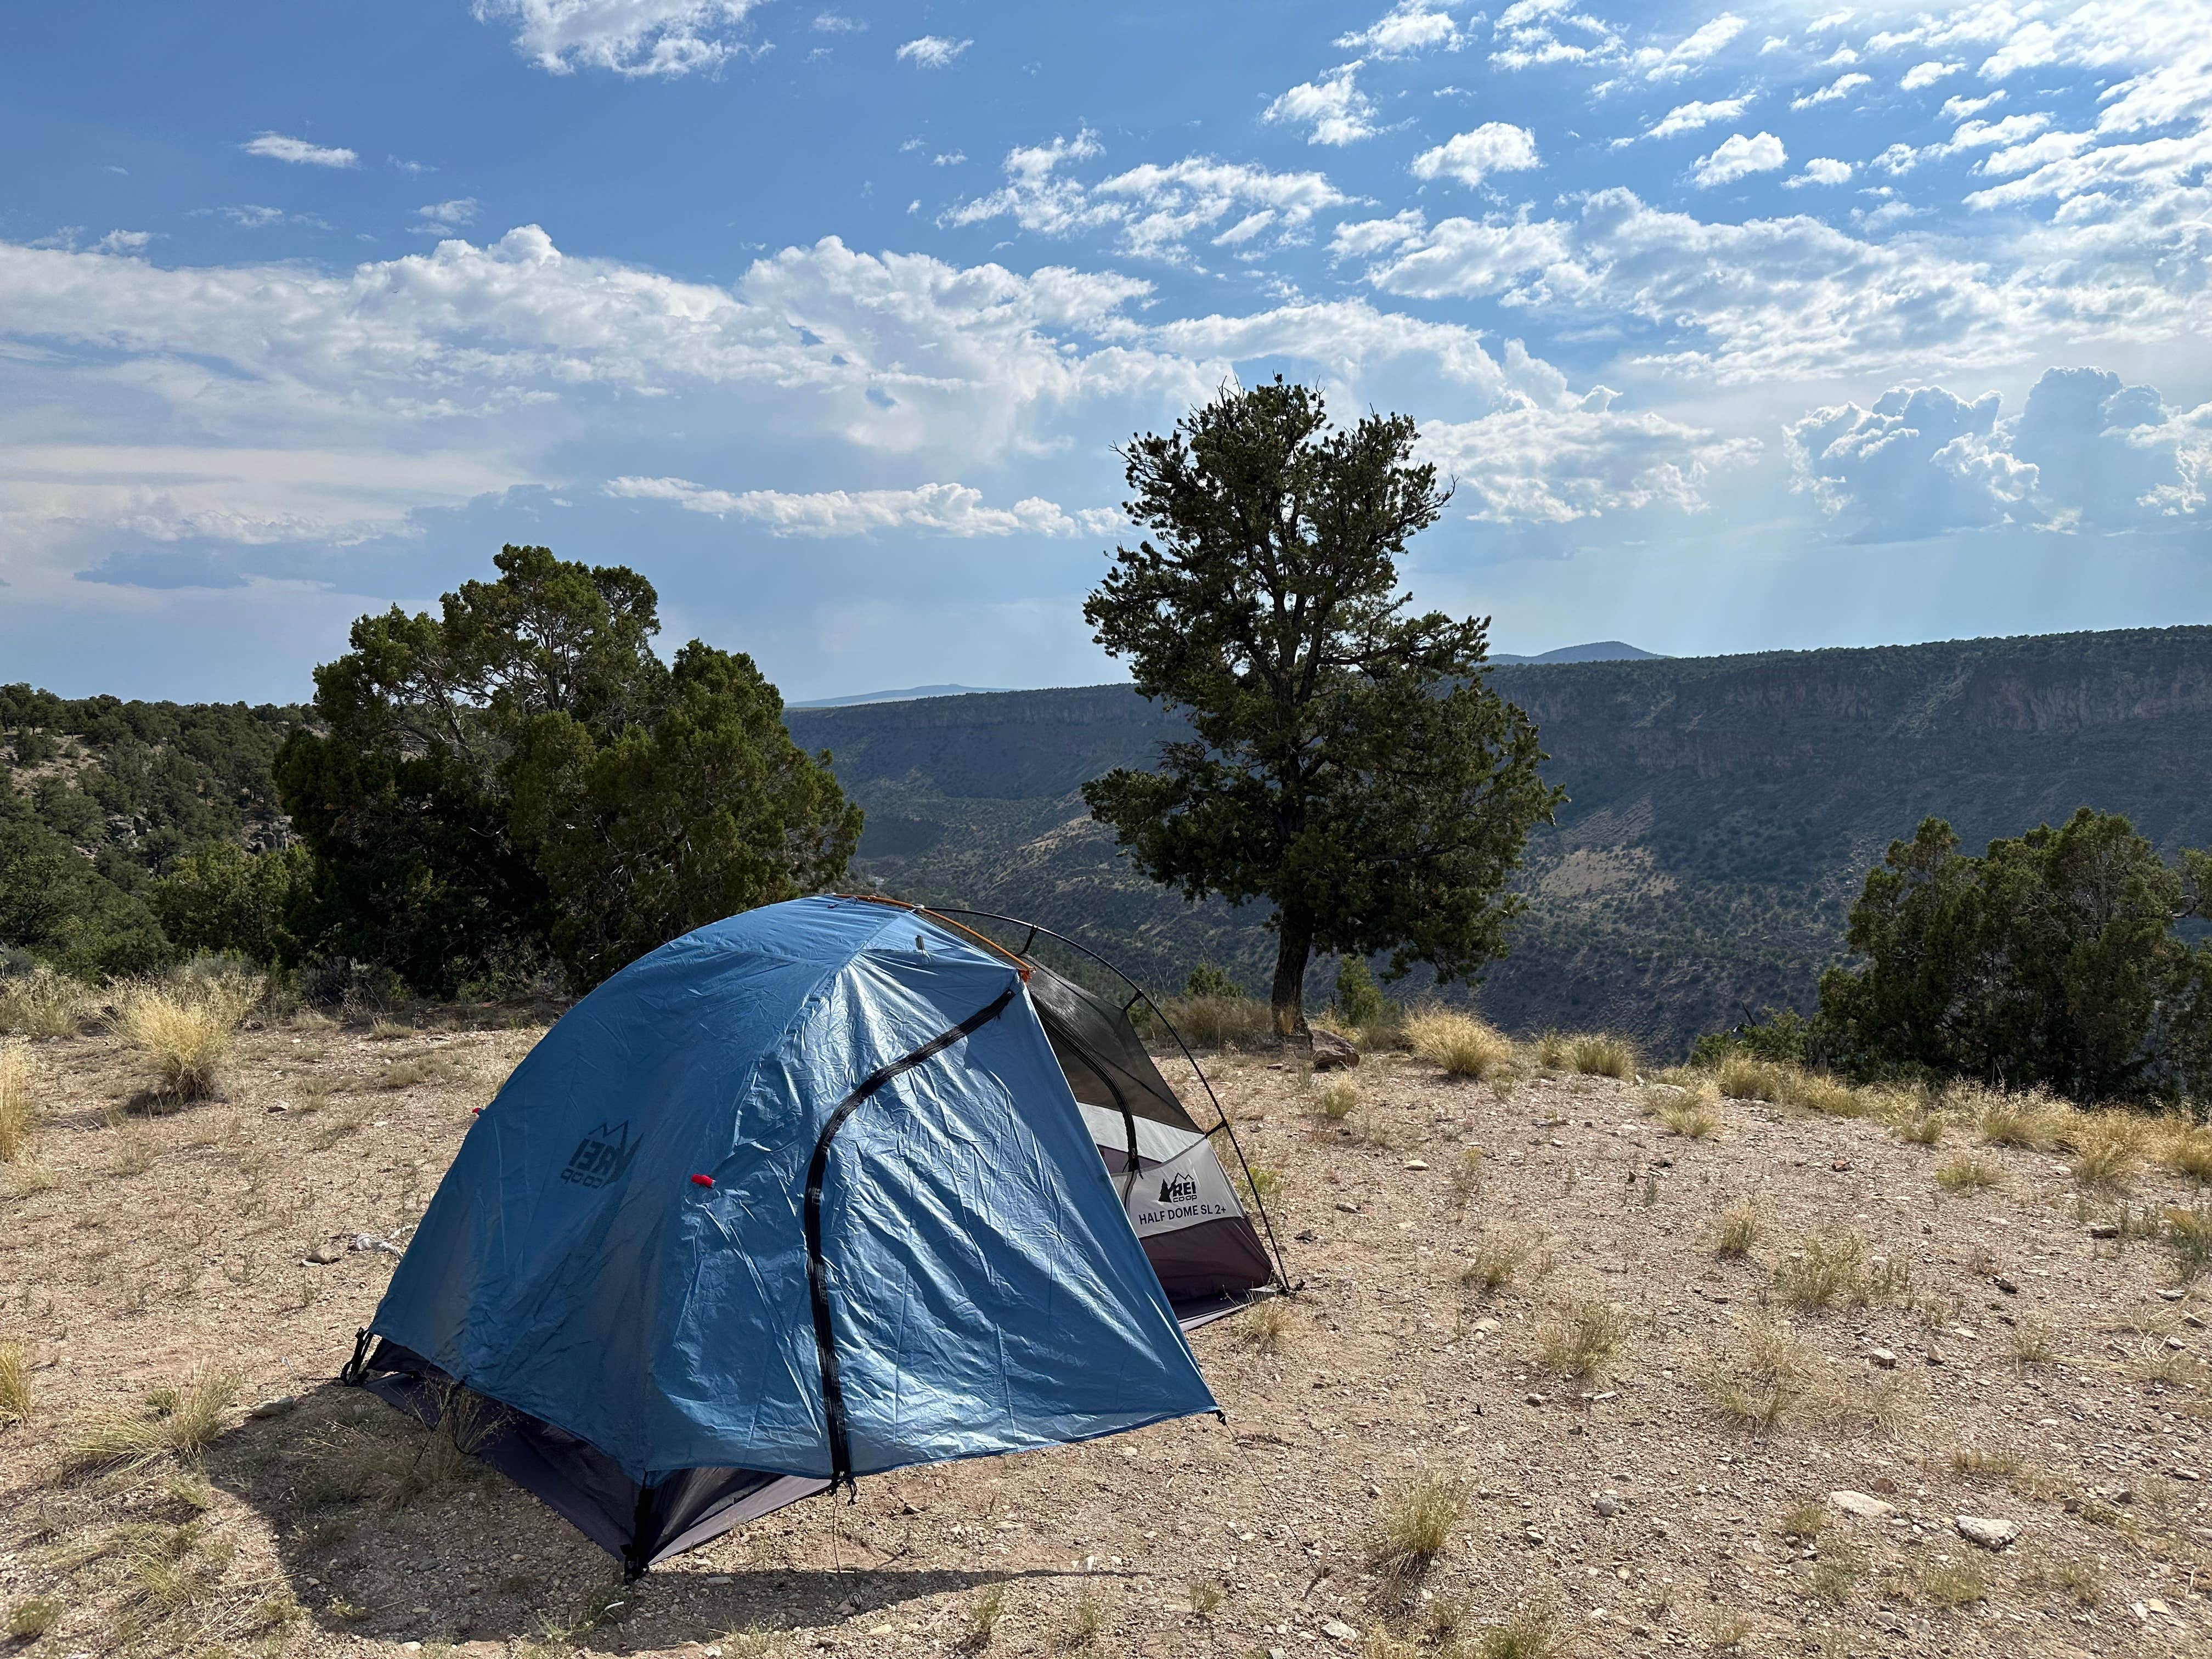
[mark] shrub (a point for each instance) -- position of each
(1338, 1100)
(1466, 1178)
(1780, 1034)
(1358, 998)
(1828, 1267)
(1269, 1325)
(33, 1617)
(1207, 981)
(1413, 1527)
(19, 1109)
(1461, 1044)
(185, 1030)
(1532, 1633)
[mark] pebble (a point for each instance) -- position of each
(1882, 1359)
(1337, 1631)
(2104, 1230)
(1867, 1508)
(1417, 1163)
(2172, 1295)
(1606, 1505)
(2006, 1286)
(1987, 1531)
(275, 1407)
(278, 1106)
(322, 1256)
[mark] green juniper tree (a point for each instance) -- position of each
(521, 780)
(1348, 763)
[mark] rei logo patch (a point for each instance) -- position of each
(601, 1156)
(1179, 1188)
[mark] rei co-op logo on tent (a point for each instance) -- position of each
(1179, 1187)
(601, 1156)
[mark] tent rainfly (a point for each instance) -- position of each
(829, 1188)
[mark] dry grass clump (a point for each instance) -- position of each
(1269, 1325)
(15, 1383)
(420, 1069)
(185, 1029)
(1582, 1339)
(2033, 1120)
(1829, 1267)
(33, 1617)
(1337, 1100)
(1461, 1043)
(1744, 1077)
(1530, 1633)
(1593, 1053)
(1690, 1115)
(2188, 1153)
(2072, 1576)
(1221, 1022)
(1466, 1178)
(2188, 1235)
(1413, 1527)
(43, 1003)
(1762, 1379)
(1965, 1173)
(1922, 1128)
(2109, 1148)
(1498, 1262)
(1950, 1584)
(1741, 1223)
(184, 1418)
(19, 1110)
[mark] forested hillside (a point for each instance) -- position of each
(1722, 810)
(101, 796)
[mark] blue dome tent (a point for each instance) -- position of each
(828, 1188)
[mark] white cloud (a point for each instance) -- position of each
(1830, 20)
(1821, 170)
(1688, 117)
(629, 37)
(1409, 27)
(1361, 239)
(1842, 86)
(1958, 109)
(2086, 451)
(834, 22)
(1693, 50)
(448, 215)
(277, 147)
(1530, 464)
(1928, 74)
(951, 159)
(2030, 47)
(941, 509)
(1737, 157)
(1151, 209)
(1469, 157)
(931, 50)
(1333, 109)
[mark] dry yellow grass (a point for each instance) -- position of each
(15, 1383)
(184, 1418)
(2109, 1148)
(1338, 1100)
(19, 1110)
(43, 1003)
(1691, 1115)
(1581, 1339)
(1763, 1377)
(1599, 1054)
(185, 1030)
(1461, 1044)
(1741, 1076)
(2188, 1153)
(2033, 1120)
(1415, 1526)
(1741, 1223)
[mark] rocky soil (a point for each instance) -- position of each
(2024, 1355)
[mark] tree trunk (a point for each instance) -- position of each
(1293, 947)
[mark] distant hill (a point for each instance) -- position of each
(907, 696)
(1597, 651)
(1723, 809)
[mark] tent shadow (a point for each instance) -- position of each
(382, 1532)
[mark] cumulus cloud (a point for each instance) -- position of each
(1689, 118)
(1152, 210)
(1737, 157)
(2086, 452)
(931, 50)
(1470, 157)
(1409, 27)
(1842, 86)
(629, 37)
(1693, 49)
(441, 218)
(277, 147)
(1821, 170)
(940, 509)
(1531, 464)
(1928, 74)
(1334, 110)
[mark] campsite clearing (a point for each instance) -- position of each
(1669, 1449)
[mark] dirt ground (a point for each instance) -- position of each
(2041, 1376)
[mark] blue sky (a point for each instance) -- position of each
(1738, 326)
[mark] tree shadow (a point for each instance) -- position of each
(381, 1531)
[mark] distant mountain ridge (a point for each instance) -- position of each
(1597, 651)
(1723, 809)
(911, 694)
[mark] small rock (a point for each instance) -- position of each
(1349, 1209)
(713, 1649)
(2104, 1230)
(1307, 1235)
(1484, 1326)
(2172, 1295)
(1881, 1359)
(1417, 1163)
(274, 1406)
(2186, 1474)
(1332, 1053)
(1841, 1166)
(1861, 1504)
(2006, 1286)
(323, 1255)
(1606, 1505)
(1337, 1631)
(1986, 1531)
(1533, 1536)
(1934, 1357)
(1535, 1400)
(277, 1106)
(2192, 1322)
(370, 1241)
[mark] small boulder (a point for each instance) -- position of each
(323, 1255)
(1332, 1053)
(1337, 1631)
(2104, 1230)
(1881, 1359)
(1606, 1505)
(1988, 1532)
(1867, 1508)
(274, 1406)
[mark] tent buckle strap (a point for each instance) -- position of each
(355, 1368)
